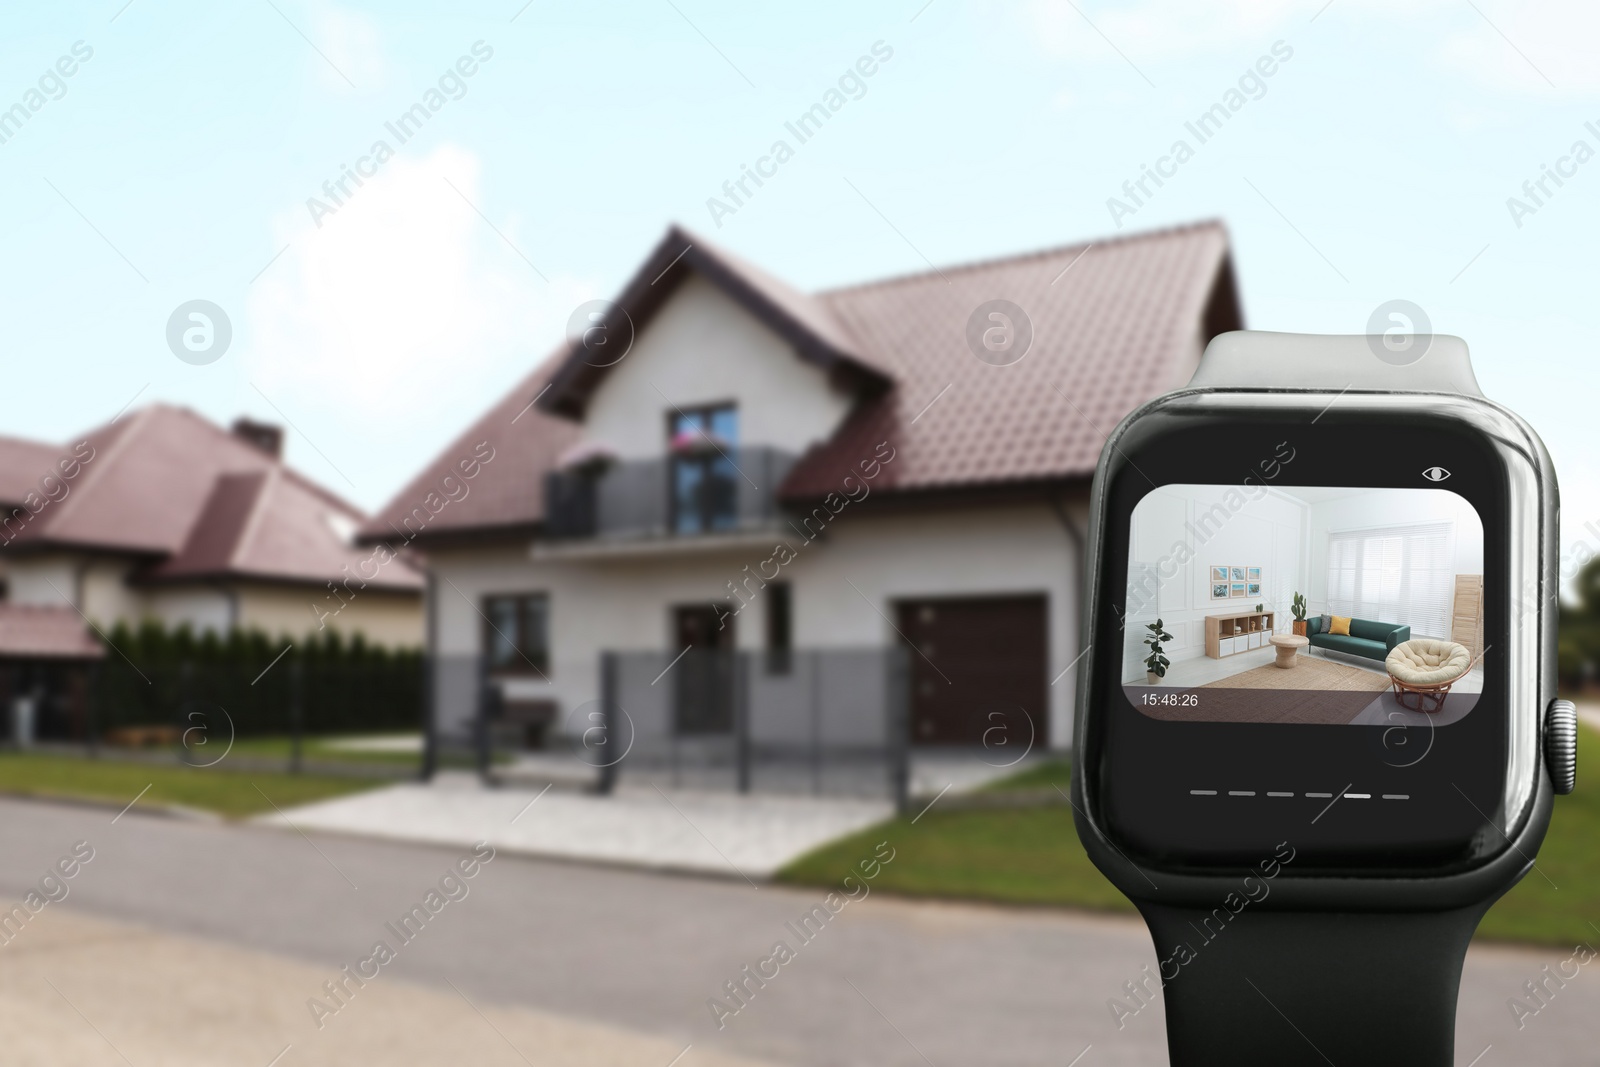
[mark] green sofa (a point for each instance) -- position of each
(1373, 640)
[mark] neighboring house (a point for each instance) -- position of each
(163, 515)
(781, 473)
(23, 464)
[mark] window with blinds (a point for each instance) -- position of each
(1398, 574)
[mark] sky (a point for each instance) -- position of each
(186, 156)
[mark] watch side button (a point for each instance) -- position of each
(1561, 745)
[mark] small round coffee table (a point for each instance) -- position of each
(1287, 645)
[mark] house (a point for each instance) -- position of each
(163, 515)
(726, 493)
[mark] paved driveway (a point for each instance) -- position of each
(746, 836)
(885, 982)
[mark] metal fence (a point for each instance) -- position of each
(634, 499)
(816, 721)
(811, 721)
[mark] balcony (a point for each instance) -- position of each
(719, 495)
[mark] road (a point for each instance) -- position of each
(885, 982)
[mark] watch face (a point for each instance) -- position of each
(1297, 636)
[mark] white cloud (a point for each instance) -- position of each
(1518, 46)
(403, 309)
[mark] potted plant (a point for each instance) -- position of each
(1156, 664)
(1299, 609)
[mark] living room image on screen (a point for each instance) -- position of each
(1304, 605)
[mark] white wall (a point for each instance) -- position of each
(50, 580)
(1177, 535)
(98, 586)
(202, 608)
(617, 604)
(1372, 508)
(702, 347)
(107, 597)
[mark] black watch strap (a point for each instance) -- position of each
(1280, 988)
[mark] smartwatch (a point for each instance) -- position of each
(1316, 737)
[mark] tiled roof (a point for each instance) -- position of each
(30, 631)
(1115, 323)
(803, 320)
(508, 492)
(197, 501)
(22, 465)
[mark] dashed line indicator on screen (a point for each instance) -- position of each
(1309, 796)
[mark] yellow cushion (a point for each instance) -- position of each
(1340, 625)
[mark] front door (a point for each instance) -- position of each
(703, 677)
(977, 671)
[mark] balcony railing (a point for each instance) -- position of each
(727, 492)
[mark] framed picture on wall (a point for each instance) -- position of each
(1238, 587)
(1255, 588)
(1219, 574)
(1255, 574)
(1238, 574)
(1219, 590)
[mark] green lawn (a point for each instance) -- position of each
(1023, 855)
(1031, 855)
(1560, 914)
(229, 793)
(321, 749)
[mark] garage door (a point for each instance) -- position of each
(980, 674)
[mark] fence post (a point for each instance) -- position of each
(816, 722)
(297, 702)
(185, 691)
(486, 695)
(607, 780)
(91, 710)
(430, 736)
(741, 714)
(899, 726)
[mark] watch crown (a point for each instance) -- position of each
(1561, 745)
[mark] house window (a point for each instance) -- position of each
(780, 628)
(1401, 574)
(517, 632)
(705, 482)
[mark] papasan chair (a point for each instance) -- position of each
(1423, 669)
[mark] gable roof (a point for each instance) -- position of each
(22, 465)
(1115, 323)
(196, 501)
(507, 496)
(808, 324)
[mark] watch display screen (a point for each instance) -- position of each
(1296, 641)
(1297, 605)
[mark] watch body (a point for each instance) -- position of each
(1178, 791)
(1313, 815)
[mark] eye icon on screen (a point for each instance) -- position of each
(1436, 474)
